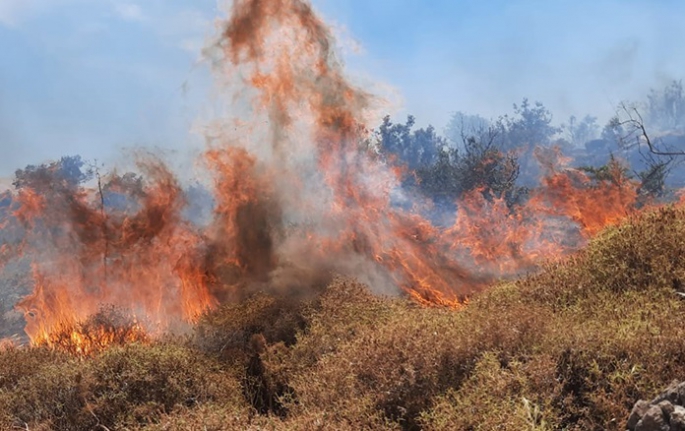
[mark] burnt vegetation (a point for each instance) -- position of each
(571, 347)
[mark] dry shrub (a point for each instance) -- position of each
(239, 333)
(497, 396)
(214, 417)
(19, 363)
(121, 386)
(16, 366)
(208, 417)
(606, 325)
(395, 367)
(154, 380)
(228, 331)
(646, 252)
(52, 398)
(345, 310)
(571, 348)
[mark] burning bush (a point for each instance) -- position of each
(110, 326)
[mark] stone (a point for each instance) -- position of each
(666, 407)
(653, 420)
(681, 394)
(677, 419)
(639, 410)
(672, 394)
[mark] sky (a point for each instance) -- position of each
(98, 77)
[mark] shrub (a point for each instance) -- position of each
(572, 347)
(120, 386)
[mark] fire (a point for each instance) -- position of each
(297, 198)
(107, 327)
(572, 194)
(85, 256)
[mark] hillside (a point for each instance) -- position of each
(572, 347)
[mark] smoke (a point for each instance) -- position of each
(578, 58)
(298, 195)
(115, 83)
(80, 79)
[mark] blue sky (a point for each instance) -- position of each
(92, 77)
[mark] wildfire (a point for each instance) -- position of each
(295, 200)
(109, 326)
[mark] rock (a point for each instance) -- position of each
(666, 407)
(678, 419)
(653, 420)
(639, 410)
(666, 412)
(681, 394)
(675, 393)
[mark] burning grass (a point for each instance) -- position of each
(109, 327)
(569, 348)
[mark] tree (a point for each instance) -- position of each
(656, 157)
(613, 132)
(412, 148)
(653, 178)
(122, 192)
(578, 132)
(67, 172)
(478, 165)
(630, 129)
(666, 108)
(530, 126)
(463, 125)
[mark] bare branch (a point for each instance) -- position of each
(639, 132)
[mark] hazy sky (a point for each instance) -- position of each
(90, 77)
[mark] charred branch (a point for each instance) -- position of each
(636, 133)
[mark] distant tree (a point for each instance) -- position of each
(613, 132)
(530, 126)
(122, 192)
(441, 180)
(479, 164)
(67, 172)
(413, 148)
(578, 132)
(5, 200)
(463, 125)
(631, 130)
(653, 178)
(666, 108)
(652, 159)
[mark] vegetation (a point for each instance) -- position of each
(571, 347)
(499, 156)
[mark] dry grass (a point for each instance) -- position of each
(135, 384)
(569, 348)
